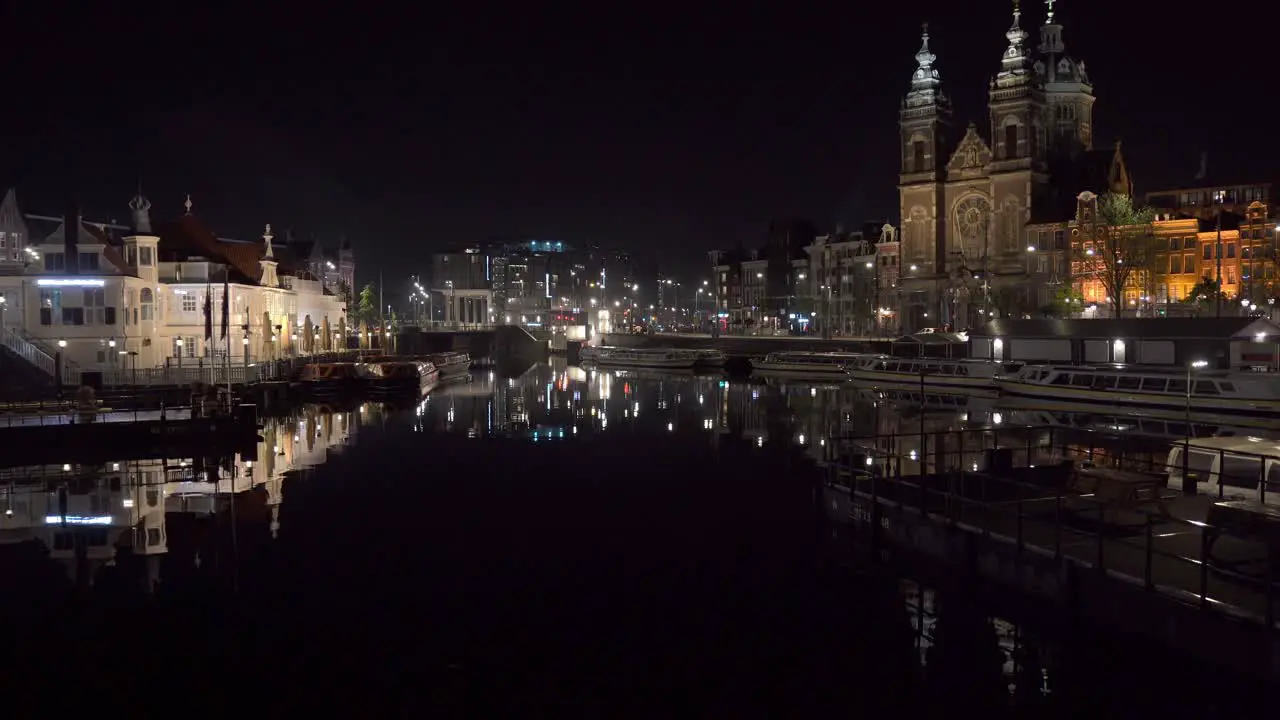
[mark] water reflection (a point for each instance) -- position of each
(84, 514)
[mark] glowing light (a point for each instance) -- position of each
(78, 520)
(71, 282)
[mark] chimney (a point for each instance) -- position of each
(71, 237)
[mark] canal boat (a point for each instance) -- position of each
(400, 377)
(914, 372)
(804, 363)
(1229, 468)
(327, 379)
(709, 358)
(451, 364)
(645, 358)
(1143, 386)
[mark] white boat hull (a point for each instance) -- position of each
(1138, 399)
(903, 380)
(820, 369)
(682, 363)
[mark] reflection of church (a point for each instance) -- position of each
(967, 249)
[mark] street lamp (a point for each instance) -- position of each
(1188, 484)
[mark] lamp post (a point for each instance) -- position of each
(178, 342)
(1189, 484)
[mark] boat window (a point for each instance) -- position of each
(1206, 387)
(1104, 382)
(1062, 379)
(1227, 387)
(1178, 386)
(1082, 380)
(1128, 383)
(1153, 384)
(1241, 471)
(962, 370)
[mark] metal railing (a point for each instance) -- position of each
(1156, 543)
(41, 358)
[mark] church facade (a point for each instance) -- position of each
(973, 203)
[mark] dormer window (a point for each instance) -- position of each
(144, 257)
(89, 261)
(131, 255)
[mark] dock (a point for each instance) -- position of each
(1150, 560)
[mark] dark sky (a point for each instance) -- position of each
(665, 129)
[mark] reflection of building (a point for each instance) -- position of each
(92, 511)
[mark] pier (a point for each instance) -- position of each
(1007, 506)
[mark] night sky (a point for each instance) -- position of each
(667, 130)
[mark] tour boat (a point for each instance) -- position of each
(648, 358)
(402, 376)
(1212, 390)
(330, 378)
(451, 364)
(903, 372)
(804, 363)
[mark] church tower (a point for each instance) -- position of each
(925, 126)
(1016, 105)
(1067, 90)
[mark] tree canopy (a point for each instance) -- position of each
(1123, 250)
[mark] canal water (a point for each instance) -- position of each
(554, 540)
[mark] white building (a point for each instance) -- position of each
(104, 297)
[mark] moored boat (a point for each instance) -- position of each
(1144, 386)
(330, 378)
(903, 372)
(647, 358)
(400, 377)
(709, 358)
(804, 363)
(451, 364)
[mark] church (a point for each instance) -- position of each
(973, 203)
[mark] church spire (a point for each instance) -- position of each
(1014, 64)
(1051, 32)
(925, 81)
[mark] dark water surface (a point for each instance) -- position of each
(561, 543)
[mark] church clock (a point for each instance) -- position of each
(971, 218)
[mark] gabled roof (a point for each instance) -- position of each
(187, 237)
(1227, 328)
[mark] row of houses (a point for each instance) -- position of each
(859, 284)
(108, 296)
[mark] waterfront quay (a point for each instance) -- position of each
(749, 346)
(1006, 507)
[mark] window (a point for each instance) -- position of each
(1208, 252)
(144, 256)
(2, 238)
(188, 303)
(1188, 263)
(146, 303)
(1231, 250)
(1175, 243)
(1010, 140)
(917, 156)
(1175, 264)
(50, 306)
(176, 349)
(95, 311)
(55, 261)
(1231, 275)
(131, 255)
(88, 261)
(72, 316)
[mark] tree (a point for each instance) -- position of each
(1205, 292)
(1119, 249)
(367, 308)
(1066, 302)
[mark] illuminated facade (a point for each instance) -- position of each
(981, 217)
(109, 298)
